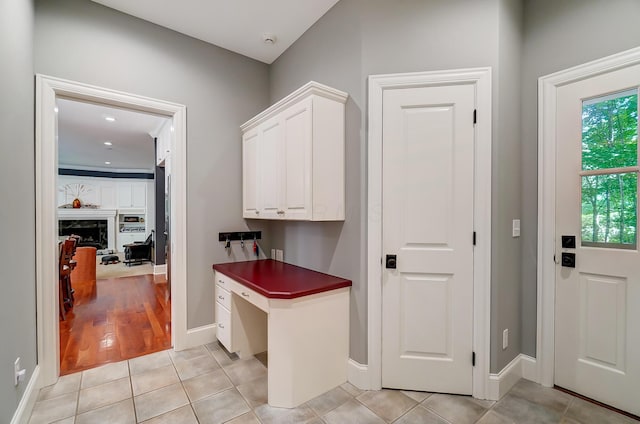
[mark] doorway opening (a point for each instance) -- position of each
(115, 306)
(49, 91)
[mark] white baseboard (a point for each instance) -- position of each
(529, 368)
(25, 407)
(200, 335)
(159, 269)
(522, 366)
(358, 374)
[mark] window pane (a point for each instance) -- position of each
(609, 212)
(610, 131)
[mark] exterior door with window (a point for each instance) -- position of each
(597, 324)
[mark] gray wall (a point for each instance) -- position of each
(557, 36)
(357, 38)
(86, 42)
(17, 213)
(506, 199)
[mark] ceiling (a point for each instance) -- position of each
(83, 130)
(236, 25)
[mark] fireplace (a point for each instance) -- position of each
(92, 232)
(95, 226)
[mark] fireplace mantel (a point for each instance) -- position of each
(86, 213)
(89, 213)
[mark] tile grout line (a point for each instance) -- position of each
(133, 401)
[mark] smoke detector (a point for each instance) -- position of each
(268, 38)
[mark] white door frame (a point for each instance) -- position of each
(47, 90)
(481, 79)
(547, 93)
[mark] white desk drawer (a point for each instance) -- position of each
(250, 296)
(223, 281)
(223, 296)
(223, 318)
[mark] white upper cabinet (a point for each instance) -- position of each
(132, 195)
(293, 157)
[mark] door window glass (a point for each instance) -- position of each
(610, 170)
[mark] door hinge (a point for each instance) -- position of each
(473, 359)
(475, 116)
(474, 238)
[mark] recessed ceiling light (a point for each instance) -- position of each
(107, 163)
(108, 143)
(109, 118)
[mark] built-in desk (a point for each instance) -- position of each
(305, 315)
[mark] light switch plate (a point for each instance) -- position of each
(515, 228)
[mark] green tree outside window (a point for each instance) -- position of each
(610, 141)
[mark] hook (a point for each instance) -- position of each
(241, 241)
(227, 244)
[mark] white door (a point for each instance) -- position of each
(427, 301)
(597, 324)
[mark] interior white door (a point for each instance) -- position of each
(427, 301)
(597, 340)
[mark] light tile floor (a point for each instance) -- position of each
(206, 385)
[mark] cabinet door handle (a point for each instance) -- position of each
(221, 282)
(280, 212)
(221, 297)
(220, 325)
(257, 212)
(245, 294)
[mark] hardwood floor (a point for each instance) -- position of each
(114, 320)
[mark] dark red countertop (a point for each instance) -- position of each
(278, 280)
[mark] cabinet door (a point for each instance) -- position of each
(296, 181)
(124, 195)
(108, 196)
(250, 175)
(269, 175)
(138, 195)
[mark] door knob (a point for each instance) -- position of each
(391, 262)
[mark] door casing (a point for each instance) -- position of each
(547, 94)
(47, 90)
(481, 79)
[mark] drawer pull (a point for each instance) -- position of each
(245, 294)
(221, 282)
(221, 297)
(220, 325)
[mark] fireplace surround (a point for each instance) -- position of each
(88, 223)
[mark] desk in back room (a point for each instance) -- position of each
(300, 317)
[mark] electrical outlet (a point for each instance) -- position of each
(18, 372)
(279, 255)
(505, 339)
